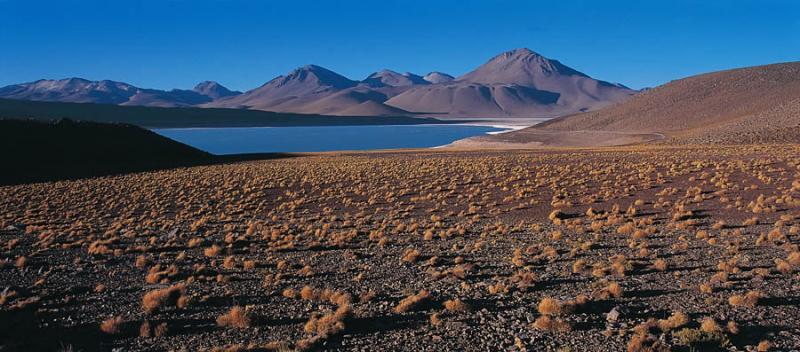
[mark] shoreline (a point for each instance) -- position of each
(487, 128)
(315, 126)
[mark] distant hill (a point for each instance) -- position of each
(313, 89)
(78, 90)
(155, 117)
(389, 78)
(516, 84)
(35, 151)
(214, 90)
(746, 105)
(438, 77)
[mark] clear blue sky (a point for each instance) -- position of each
(242, 44)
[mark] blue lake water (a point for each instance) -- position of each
(234, 140)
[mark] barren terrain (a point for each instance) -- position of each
(740, 106)
(635, 248)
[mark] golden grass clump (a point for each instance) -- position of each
(307, 293)
(148, 330)
(165, 297)
(456, 305)
(236, 317)
(627, 228)
(556, 216)
(709, 325)
(783, 266)
(436, 319)
(212, 251)
(412, 302)
(613, 289)
(411, 255)
(794, 258)
(749, 299)
(551, 307)
(579, 266)
(112, 326)
(645, 343)
(324, 326)
(289, 293)
(548, 323)
(660, 264)
(676, 320)
(706, 288)
(141, 261)
(229, 262)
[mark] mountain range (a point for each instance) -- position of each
(517, 83)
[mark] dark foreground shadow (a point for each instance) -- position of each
(35, 151)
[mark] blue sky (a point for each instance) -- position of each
(242, 44)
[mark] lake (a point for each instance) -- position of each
(235, 140)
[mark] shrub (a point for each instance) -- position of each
(750, 299)
(411, 255)
(698, 340)
(550, 306)
(112, 325)
(160, 298)
(660, 264)
(237, 317)
(676, 320)
(456, 305)
(328, 325)
(212, 251)
(548, 323)
(412, 302)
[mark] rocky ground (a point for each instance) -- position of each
(638, 248)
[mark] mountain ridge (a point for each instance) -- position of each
(81, 90)
(519, 83)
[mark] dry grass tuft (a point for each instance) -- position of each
(551, 307)
(411, 255)
(324, 326)
(709, 325)
(237, 317)
(551, 324)
(436, 319)
(165, 297)
(148, 330)
(660, 264)
(411, 302)
(456, 305)
(676, 320)
(750, 299)
(112, 326)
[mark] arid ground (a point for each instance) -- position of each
(633, 248)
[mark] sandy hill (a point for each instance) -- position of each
(753, 104)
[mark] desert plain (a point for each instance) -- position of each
(641, 248)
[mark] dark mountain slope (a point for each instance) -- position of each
(35, 151)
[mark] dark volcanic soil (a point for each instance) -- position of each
(671, 232)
